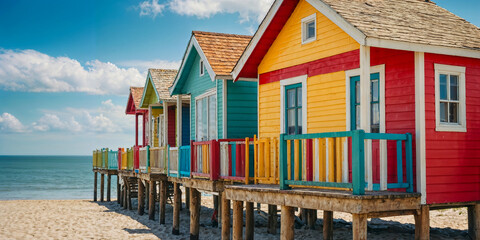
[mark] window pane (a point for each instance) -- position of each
(357, 117)
(443, 86)
(291, 98)
(357, 92)
(374, 90)
(299, 121)
(453, 113)
(291, 121)
(453, 87)
(311, 29)
(204, 119)
(443, 111)
(212, 119)
(299, 96)
(375, 110)
(199, 120)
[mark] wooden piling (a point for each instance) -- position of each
(327, 225)
(129, 196)
(163, 200)
(102, 185)
(187, 198)
(311, 218)
(125, 193)
(287, 225)
(359, 227)
(194, 213)
(474, 221)
(141, 198)
(225, 217)
(109, 186)
(422, 223)
(147, 194)
(118, 190)
(151, 201)
(249, 221)
(177, 202)
(272, 219)
(95, 186)
(237, 220)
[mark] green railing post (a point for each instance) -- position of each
(283, 163)
(408, 150)
(358, 162)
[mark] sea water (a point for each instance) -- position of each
(48, 177)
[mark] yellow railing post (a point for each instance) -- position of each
(247, 160)
(255, 159)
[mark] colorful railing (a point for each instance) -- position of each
(184, 161)
(144, 159)
(136, 157)
(172, 161)
(204, 159)
(266, 160)
(112, 160)
(158, 159)
(129, 159)
(323, 160)
(235, 160)
(97, 159)
(124, 159)
(119, 158)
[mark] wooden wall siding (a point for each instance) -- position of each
(195, 86)
(155, 113)
(269, 110)
(453, 158)
(185, 126)
(326, 103)
(172, 129)
(287, 50)
(220, 109)
(241, 109)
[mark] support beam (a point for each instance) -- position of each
(420, 133)
(474, 221)
(327, 225)
(179, 120)
(272, 219)
(151, 201)
(287, 225)
(109, 187)
(118, 190)
(141, 198)
(225, 217)
(237, 220)
(311, 218)
(359, 227)
(249, 221)
(422, 223)
(102, 186)
(136, 129)
(165, 123)
(163, 200)
(177, 202)
(365, 92)
(95, 186)
(194, 213)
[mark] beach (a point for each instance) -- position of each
(84, 219)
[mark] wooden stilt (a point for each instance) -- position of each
(216, 204)
(194, 213)
(177, 202)
(118, 190)
(311, 218)
(359, 228)
(147, 194)
(151, 201)
(102, 185)
(125, 193)
(109, 187)
(287, 225)
(163, 200)
(141, 198)
(327, 225)
(95, 186)
(474, 221)
(249, 221)
(272, 219)
(129, 197)
(237, 220)
(225, 217)
(422, 223)
(187, 198)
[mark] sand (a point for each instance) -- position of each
(84, 219)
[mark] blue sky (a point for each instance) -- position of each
(65, 66)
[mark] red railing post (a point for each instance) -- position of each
(238, 160)
(136, 158)
(309, 160)
(119, 157)
(214, 160)
(230, 160)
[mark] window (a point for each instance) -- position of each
(206, 117)
(202, 68)
(309, 29)
(450, 98)
(374, 102)
(293, 109)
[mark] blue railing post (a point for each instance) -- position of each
(399, 161)
(408, 150)
(283, 163)
(358, 162)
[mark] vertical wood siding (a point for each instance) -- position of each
(185, 126)
(241, 109)
(220, 109)
(155, 113)
(269, 110)
(287, 50)
(172, 126)
(453, 158)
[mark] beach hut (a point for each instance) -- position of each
(329, 70)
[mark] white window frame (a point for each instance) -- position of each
(305, 21)
(207, 94)
(300, 79)
(202, 67)
(461, 126)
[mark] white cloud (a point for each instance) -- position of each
(51, 122)
(151, 8)
(10, 124)
(32, 71)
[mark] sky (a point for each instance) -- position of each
(66, 66)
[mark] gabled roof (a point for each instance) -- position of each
(134, 98)
(156, 86)
(219, 51)
(412, 25)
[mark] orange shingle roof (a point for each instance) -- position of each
(163, 79)
(222, 50)
(137, 93)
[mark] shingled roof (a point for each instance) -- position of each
(413, 21)
(222, 50)
(137, 93)
(163, 79)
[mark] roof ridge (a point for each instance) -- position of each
(221, 34)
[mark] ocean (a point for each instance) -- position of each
(48, 177)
